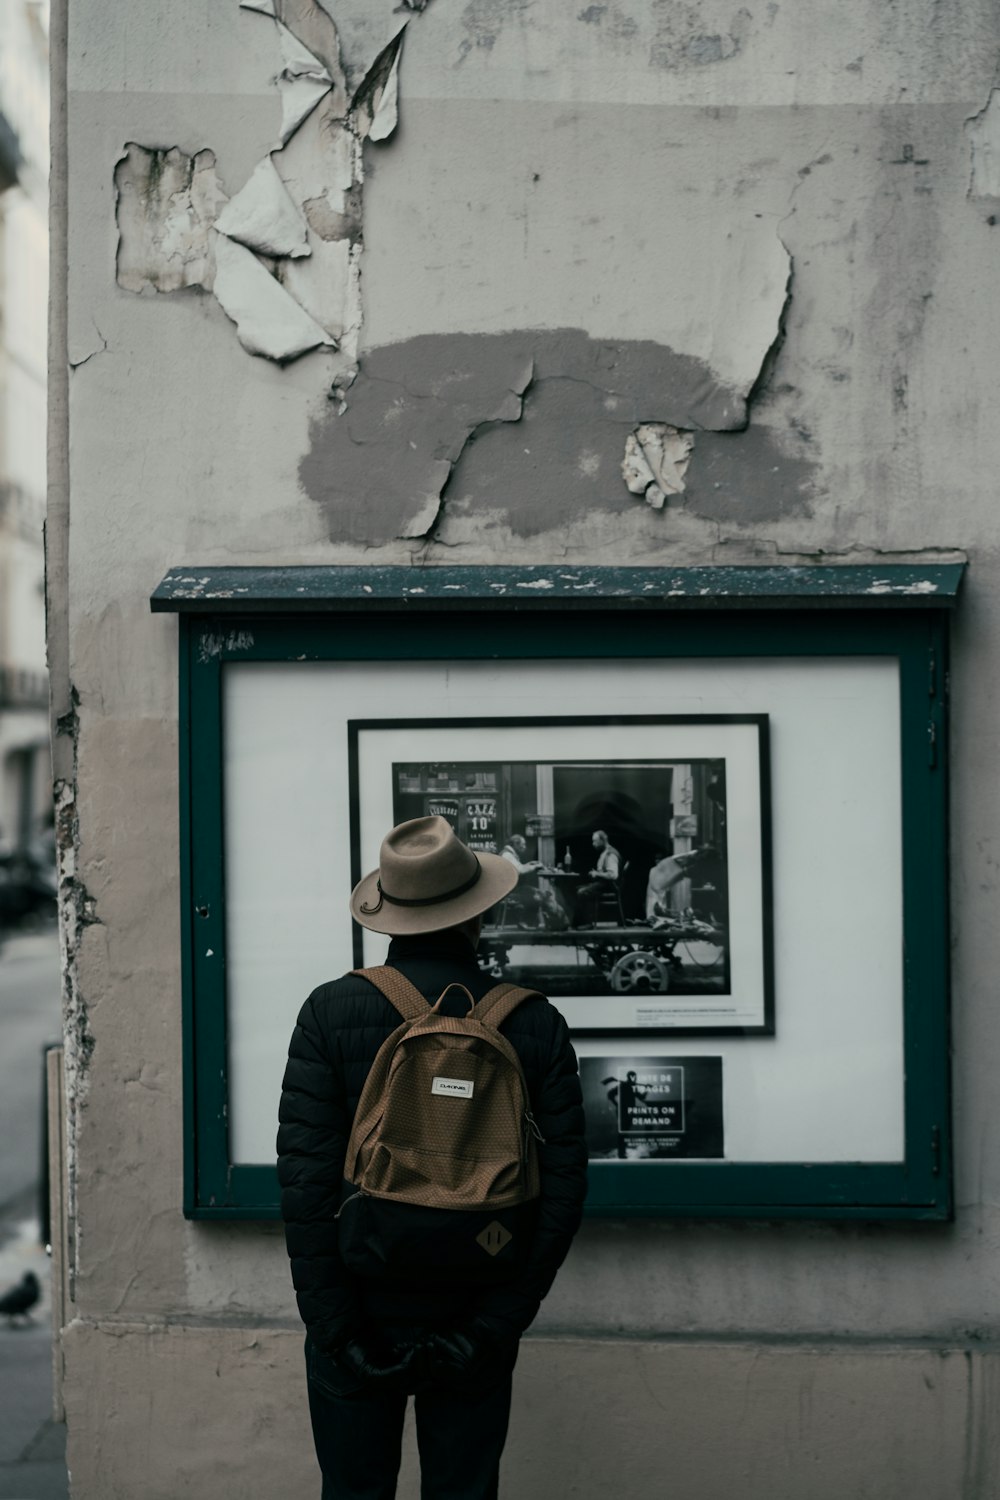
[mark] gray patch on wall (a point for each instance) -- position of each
(682, 40)
(744, 477)
(483, 21)
(429, 419)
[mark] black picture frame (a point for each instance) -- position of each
(650, 958)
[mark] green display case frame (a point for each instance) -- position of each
(340, 614)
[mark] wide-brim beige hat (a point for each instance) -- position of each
(428, 879)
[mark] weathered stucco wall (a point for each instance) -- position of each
(751, 251)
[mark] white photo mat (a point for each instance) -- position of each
(827, 1087)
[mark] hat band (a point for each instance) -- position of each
(459, 890)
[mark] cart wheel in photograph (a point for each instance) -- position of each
(640, 973)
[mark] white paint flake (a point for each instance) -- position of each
(265, 7)
(263, 217)
(387, 109)
(656, 461)
(886, 586)
(302, 82)
(745, 316)
(375, 110)
(268, 321)
(327, 286)
(212, 643)
(421, 523)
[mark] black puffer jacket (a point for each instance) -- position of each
(339, 1030)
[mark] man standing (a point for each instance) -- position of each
(370, 1342)
(603, 877)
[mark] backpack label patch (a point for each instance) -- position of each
(458, 1088)
(494, 1237)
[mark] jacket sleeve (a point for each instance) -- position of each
(557, 1105)
(313, 1130)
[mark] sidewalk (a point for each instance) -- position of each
(32, 1446)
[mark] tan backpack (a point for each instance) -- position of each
(441, 1174)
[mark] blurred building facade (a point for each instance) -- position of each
(25, 781)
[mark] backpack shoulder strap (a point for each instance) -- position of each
(500, 1002)
(397, 989)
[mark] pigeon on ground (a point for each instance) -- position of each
(18, 1302)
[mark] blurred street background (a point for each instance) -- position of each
(32, 1446)
(31, 1443)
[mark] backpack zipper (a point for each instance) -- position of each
(532, 1126)
(359, 1194)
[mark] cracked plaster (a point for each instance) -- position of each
(304, 215)
(289, 241)
(427, 423)
(983, 131)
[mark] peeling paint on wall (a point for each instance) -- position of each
(283, 255)
(263, 217)
(302, 83)
(656, 461)
(426, 434)
(77, 912)
(311, 25)
(268, 321)
(984, 147)
(376, 103)
(166, 204)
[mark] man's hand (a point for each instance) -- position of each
(372, 1361)
(459, 1353)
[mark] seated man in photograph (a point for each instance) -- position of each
(533, 903)
(524, 905)
(603, 877)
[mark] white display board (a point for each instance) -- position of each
(826, 1087)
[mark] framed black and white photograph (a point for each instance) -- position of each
(642, 849)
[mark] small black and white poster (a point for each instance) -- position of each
(653, 1108)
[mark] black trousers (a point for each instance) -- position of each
(461, 1429)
